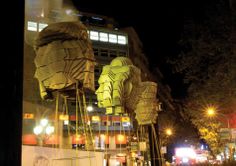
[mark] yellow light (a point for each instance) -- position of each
(95, 118)
(125, 119)
(64, 117)
(102, 136)
(78, 137)
(133, 154)
(120, 138)
(210, 111)
(169, 132)
(28, 116)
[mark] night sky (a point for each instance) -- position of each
(159, 25)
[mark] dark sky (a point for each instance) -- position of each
(158, 23)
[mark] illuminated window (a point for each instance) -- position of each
(112, 38)
(41, 26)
(103, 37)
(32, 26)
(94, 35)
(121, 39)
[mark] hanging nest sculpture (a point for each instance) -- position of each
(120, 88)
(64, 58)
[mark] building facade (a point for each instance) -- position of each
(108, 43)
(111, 133)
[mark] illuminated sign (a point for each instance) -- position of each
(64, 117)
(134, 146)
(185, 152)
(142, 146)
(125, 119)
(95, 118)
(28, 116)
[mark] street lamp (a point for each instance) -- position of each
(164, 139)
(89, 108)
(168, 132)
(211, 112)
(43, 130)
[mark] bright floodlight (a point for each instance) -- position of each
(38, 130)
(44, 122)
(89, 108)
(49, 130)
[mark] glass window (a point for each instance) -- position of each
(103, 37)
(41, 26)
(94, 35)
(112, 38)
(95, 51)
(116, 123)
(104, 53)
(122, 53)
(113, 54)
(32, 26)
(121, 39)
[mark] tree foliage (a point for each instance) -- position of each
(207, 61)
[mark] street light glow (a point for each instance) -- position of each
(89, 108)
(210, 111)
(169, 132)
(38, 130)
(44, 122)
(49, 130)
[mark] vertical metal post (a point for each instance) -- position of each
(152, 154)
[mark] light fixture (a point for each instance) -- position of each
(43, 122)
(38, 130)
(49, 130)
(89, 108)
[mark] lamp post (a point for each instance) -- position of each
(167, 133)
(43, 130)
(211, 112)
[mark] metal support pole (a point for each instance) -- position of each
(155, 156)
(152, 154)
